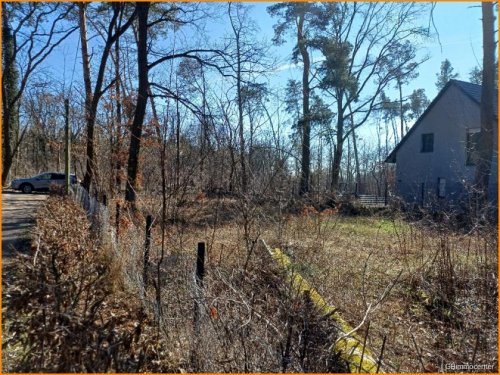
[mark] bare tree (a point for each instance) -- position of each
(250, 59)
(92, 97)
(36, 29)
(358, 47)
(238, 30)
(162, 15)
(142, 9)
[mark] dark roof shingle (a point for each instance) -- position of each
(473, 91)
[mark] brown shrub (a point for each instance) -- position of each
(64, 309)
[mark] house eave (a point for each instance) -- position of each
(391, 158)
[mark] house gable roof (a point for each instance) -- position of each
(471, 90)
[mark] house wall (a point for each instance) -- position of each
(448, 120)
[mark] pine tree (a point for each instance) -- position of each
(476, 75)
(305, 17)
(445, 74)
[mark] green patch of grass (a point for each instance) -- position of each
(369, 225)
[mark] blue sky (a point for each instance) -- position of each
(460, 34)
(458, 25)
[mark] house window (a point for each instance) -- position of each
(427, 142)
(471, 146)
(441, 187)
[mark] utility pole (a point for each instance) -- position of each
(67, 149)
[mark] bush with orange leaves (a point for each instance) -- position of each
(308, 211)
(315, 220)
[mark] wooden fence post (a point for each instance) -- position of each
(147, 246)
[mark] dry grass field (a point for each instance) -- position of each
(430, 291)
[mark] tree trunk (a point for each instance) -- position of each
(10, 123)
(483, 168)
(92, 98)
(244, 181)
(305, 121)
(7, 153)
(337, 158)
(401, 114)
(355, 149)
(243, 164)
(118, 146)
(203, 131)
(177, 146)
(348, 171)
(87, 179)
(337, 155)
(251, 138)
(142, 99)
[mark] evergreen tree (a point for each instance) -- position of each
(418, 103)
(306, 17)
(476, 75)
(445, 74)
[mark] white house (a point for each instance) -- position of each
(435, 160)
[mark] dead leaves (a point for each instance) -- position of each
(63, 309)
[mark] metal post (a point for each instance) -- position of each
(200, 272)
(200, 264)
(147, 246)
(67, 150)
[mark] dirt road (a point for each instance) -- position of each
(18, 217)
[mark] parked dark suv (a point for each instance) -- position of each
(42, 182)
